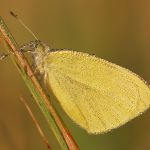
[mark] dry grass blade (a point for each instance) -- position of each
(36, 123)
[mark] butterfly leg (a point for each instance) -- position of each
(45, 78)
(3, 56)
(46, 86)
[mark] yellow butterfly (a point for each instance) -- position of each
(96, 94)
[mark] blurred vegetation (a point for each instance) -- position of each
(118, 31)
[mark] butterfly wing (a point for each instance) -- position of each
(96, 94)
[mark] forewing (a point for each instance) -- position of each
(95, 93)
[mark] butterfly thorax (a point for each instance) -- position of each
(40, 53)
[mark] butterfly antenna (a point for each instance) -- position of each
(22, 23)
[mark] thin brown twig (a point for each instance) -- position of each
(36, 123)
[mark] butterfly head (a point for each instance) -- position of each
(38, 50)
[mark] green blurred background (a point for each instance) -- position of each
(118, 31)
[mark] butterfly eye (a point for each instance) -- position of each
(30, 47)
